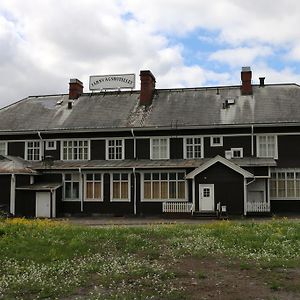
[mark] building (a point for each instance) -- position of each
(149, 151)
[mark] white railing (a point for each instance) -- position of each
(177, 207)
(258, 207)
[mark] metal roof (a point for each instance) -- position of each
(146, 164)
(181, 108)
(48, 186)
(15, 165)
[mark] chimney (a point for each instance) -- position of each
(261, 81)
(246, 75)
(75, 89)
(147, 87)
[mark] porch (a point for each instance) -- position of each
(187, 207)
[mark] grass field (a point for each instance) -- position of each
(225, 260)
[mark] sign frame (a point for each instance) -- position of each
(112, 82)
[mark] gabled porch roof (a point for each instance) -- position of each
(223, 161)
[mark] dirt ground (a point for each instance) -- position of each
(208, 278)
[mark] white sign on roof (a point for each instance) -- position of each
(105, 82)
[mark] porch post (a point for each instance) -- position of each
(193, 195)
(245, 196)
(12, 193)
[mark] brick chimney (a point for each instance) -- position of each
(147, 87)
(75, 88)
(246, 75)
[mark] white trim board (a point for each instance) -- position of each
(223, 161)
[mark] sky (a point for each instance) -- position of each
(190, 43)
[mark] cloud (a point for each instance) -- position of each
(44, 43)
(240, 56)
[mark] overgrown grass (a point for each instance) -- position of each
(48, 259)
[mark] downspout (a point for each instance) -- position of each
(80, 189)
(134, 191)
(252, 140)
(134, 144)
(42, 146)
(12, 194)
(134, 174)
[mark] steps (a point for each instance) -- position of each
(205, 215)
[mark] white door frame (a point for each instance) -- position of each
(48, 193)
(212, 196)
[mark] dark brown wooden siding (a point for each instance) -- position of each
(98, 149)
(285, 206)
(143, 148)
(288, 151)
(55, 154)
(176, 148)
(129, 149)
(16, 149)
(25, 203)
(228, 143)
(228, 187)
(5, 191)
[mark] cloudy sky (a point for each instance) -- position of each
(185, 43)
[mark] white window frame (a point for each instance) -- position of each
(114, 146)
(212, 144)
(72, 180)
(168, 148)
(185, 199)
(48, 147)
(285, 170)
(75, 140)
(185, 144)
(275, 156)
(85, 190)
(27, 148)
(120, 180)
(237, 149)
(5, 147)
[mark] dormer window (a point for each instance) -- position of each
(33, 150)
(75, 150)
(216, 141)
(267, 146)
(115, 149)
(159, 148)
(3, 148)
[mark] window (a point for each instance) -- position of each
(33, 151)
(193, 147)
(285, 184)
(267, 146)
(50, 145)
(93, 187)
(120, 187)
(163, 186)
(216, 141)
(115, 149)
(71, 187)
(159, 148)
(75, 150)
(3, 148)
(236, 152)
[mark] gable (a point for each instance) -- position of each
(225, 162)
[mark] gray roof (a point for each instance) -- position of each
(179, 108)
(15, 165)
(47, 186)
(146, 163)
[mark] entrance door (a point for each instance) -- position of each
(206, 197)
(43, 207)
